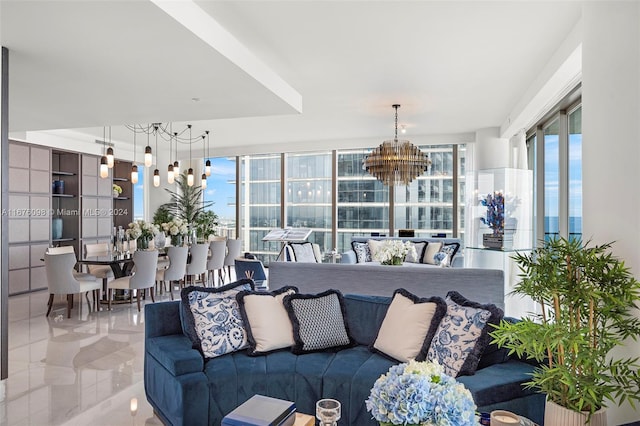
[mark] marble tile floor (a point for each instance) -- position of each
(83, 370)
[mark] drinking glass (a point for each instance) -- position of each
(328, 412)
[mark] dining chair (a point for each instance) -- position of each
(198, 263)
(62, 280)
(61, 250)
(143, 277)
(233, 250)
(213, 237)
(177, 267)
(252, 269)
(218, 250)
(103, 272)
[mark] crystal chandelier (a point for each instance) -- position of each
(395, 161)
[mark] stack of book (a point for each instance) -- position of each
(260, 410)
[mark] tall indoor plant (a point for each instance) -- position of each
(586, 298)
(186, 201)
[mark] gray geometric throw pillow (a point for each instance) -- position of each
(319, 321)
(363, 252)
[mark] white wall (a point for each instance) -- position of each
(611, 139)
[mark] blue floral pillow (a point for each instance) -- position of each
(213, 321)
(363, 252)
(463, 334)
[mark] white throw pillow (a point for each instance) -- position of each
(409, 326)
(430, 251)
(304, 252)
(374, 247)
(267, 322)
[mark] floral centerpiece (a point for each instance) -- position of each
(117, 190)
(494, 218)
(419, 393)
(176, 228)
(142, 231)
(393, 252)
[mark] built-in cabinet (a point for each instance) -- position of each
(57, 198)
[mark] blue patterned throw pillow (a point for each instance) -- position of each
(215, 325)
(319, 321)
(363, 252)
(463, 334)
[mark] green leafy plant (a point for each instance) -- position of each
(586, 298)
(186, 202)
(162, 215)
(206, 223)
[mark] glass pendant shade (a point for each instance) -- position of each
(203, 183)
(104, 167)
(148, 157)
(110, 158)
(176, 169)
(190, 177)
(156, 178)
(134, 174)
(170, 174)
(207, 168)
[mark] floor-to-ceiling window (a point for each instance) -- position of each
(221, 192)
(555, 155)
(260, 198)
(308, 195)
(363, 201)
(433, 204)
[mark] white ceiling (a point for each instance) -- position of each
(455, 66)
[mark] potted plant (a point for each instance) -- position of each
(186, 202)
(206, 224)
(586, 296)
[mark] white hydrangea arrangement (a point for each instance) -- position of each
(175, 226)
(393, 252)
(141, 228)
(419, 393)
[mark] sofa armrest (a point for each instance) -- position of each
(458, 261)
(175, 354)
(349, 257)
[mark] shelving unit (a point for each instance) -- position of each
(65, 167)
(123, 204)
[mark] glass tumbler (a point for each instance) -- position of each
(328, 412)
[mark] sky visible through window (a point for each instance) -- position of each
(221, 188)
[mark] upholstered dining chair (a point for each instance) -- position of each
(62, 280)
(233, 250)
(61, 250)
(218, 250)
(252, 269)
(177, 267)
(103, 272)
(144, 276)
(198, 263)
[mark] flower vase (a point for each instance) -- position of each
(397, 260)
(142, 243)
(176, 240)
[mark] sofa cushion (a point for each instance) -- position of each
(463, 334)
(430, 251)
(374, 247)
(303, 252)
(366, 314)
(266, 320)
(214, 324)
(319, 321)
(409, 326)
(363, 252)
(172, 353)
(419, 247)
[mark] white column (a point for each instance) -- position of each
(611, 140)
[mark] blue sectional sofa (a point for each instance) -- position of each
(185, 389)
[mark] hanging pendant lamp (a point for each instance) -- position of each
(396, 162)
(190, 172)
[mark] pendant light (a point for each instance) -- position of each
(203, 178)
(176, 163)
(134, 167)
(148, 156)
(207, 165)
(170, 175)
(190, 172)
(110, 159)
(104, 166)
(156, 172)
